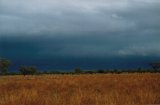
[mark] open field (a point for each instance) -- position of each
(95, 89)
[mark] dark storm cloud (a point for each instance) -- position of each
(68, 53)
(66, 29)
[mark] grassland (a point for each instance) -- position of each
(95, 89)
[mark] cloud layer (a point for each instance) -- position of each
(79, 28)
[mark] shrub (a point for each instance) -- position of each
(28, 70)
(78, 71)
(4, 65)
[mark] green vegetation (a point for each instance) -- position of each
(78, 71)
(28, 70)
(4, 65)
(32, 70)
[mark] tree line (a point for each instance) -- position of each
(32, 70)
(25, 70)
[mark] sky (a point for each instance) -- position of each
(65, 34)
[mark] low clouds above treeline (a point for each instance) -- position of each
(79, 28)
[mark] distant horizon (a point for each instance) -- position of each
(90, 64)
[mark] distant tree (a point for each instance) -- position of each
(101, 71)
(115, 70)
(155, 66)
(119, 71)
(78, 70)
(54, 72)
(139, 70)
(89, 72)
(28, 70)
(4, 65)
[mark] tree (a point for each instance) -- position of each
(155, 66)
(4, 65)
(89, 72)
(78, 70)
(28, 70)
(101, 71)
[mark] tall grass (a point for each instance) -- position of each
(95, 89)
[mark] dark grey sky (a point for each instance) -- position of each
(63, 31)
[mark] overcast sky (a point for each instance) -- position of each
(52, 30)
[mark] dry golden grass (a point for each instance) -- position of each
(95, 89)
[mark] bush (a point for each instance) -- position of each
(78, 71)
(28, 70)
(100, 71)
(4, 65)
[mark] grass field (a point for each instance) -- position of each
(87, 89)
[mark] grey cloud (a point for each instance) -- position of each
(83, 28)
(35, 17)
